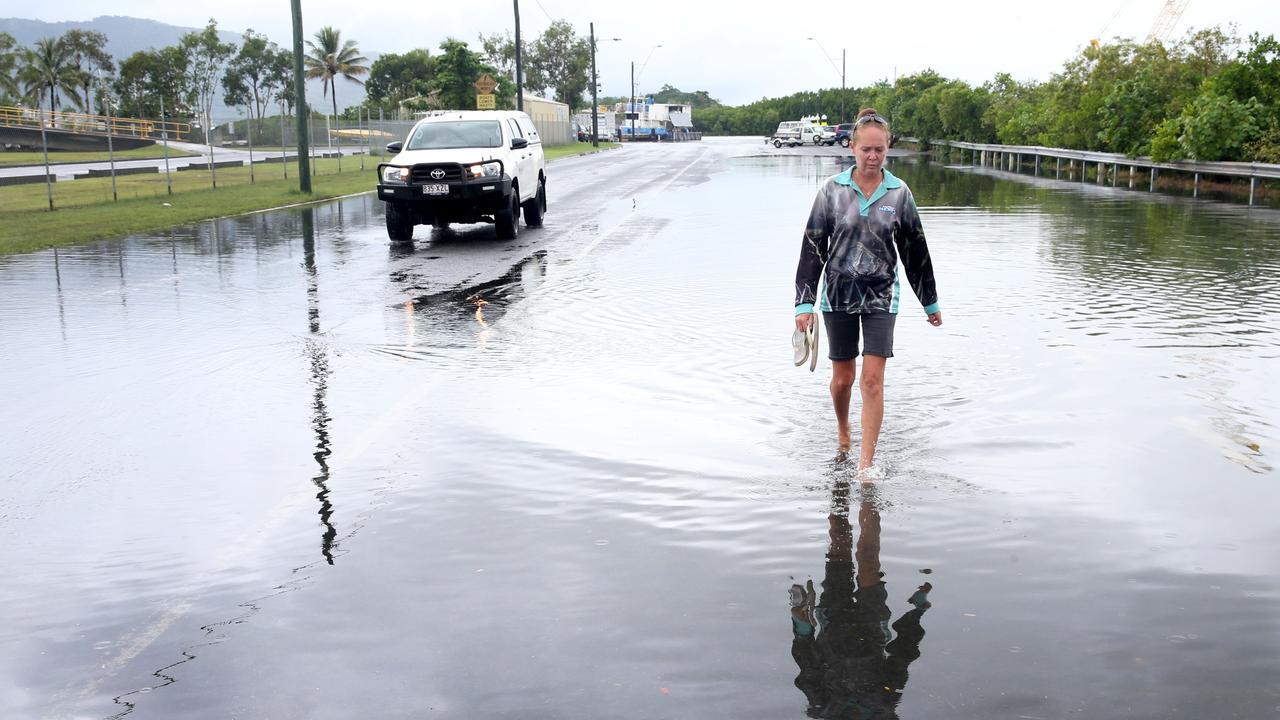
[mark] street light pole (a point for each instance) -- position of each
(300, 97)
(595, 103)
(519, 62)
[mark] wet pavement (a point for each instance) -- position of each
(278, 467)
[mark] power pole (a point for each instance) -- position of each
(633, 112)
(519, 62)
(595, 105)
(842, 115)
(300, 96)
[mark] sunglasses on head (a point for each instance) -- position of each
(870, 119)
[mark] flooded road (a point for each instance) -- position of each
(277, 467)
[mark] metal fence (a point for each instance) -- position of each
(1011, 157)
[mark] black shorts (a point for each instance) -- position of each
(842, 334)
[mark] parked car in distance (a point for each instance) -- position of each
(792, 133)
(842, 133)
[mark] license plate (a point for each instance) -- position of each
(435, 189)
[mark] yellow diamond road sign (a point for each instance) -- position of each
(486, 84)
(486, 102)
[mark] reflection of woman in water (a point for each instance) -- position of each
(852, 664)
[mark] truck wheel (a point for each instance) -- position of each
(536, 206)
(399, 222)
(844, 142)
(507, 220)
(777, 144)
(817, 139)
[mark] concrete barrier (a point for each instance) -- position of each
(106, 172)
(26, 179)
(205, 166)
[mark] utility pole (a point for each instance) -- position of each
(633, 112)
(595, 103)
(842, 115)
(300, 96)
(519, 61)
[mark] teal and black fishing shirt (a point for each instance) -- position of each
(859, 240)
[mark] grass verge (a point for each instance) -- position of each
(562, 151)
(14, 159)
(26, 229)
(85, 211)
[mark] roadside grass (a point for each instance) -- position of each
(14, 159)
(84, 210)
(577, 148)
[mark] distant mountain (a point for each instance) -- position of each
(127, 35)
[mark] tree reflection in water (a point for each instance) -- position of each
(853, 663)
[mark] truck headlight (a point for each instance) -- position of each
(489, 169)
(395, 174)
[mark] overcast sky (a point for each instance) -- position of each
(737, 51)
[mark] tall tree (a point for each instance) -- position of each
(9, 56)
(499, 50)
(456, 68)
(255, 75)
(395, 78)
(90, 57)
(206, 59)
(560, 61)
(329, 58)
(149, 79)
(47, 68)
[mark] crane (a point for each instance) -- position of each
(1163, 26)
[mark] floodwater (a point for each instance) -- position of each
(275, 467)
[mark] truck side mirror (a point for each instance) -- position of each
(519, 143)
(395, 147)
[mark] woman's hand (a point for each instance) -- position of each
(803, 321)
(935, 319)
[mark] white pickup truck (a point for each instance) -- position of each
(794, 132)
(465, 167)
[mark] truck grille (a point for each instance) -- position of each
(422, 173)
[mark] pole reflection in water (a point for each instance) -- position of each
(62, 312)
(852, 663)
(320, 380)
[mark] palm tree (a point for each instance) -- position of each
(48, 67)
(326, 61)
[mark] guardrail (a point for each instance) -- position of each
(1011, 157)
(104, 125)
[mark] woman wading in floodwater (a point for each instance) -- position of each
(862, 222)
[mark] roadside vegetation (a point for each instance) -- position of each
(84, 209)
(1208, 96)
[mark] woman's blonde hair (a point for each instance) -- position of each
(869, 116)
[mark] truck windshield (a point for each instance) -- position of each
(456, 134)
